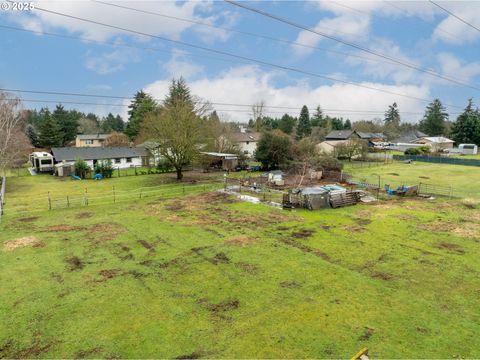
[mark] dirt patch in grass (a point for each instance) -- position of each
(363, 221)
(64, 228)
(222, 258)
(247, 267)
(353, 228)
(303, 233)
(175, 206)
(75, 263)
(424, 177)
(83, 354)
(35, 350)
(438, 226)
(28, 219)
(146, 244)
(290, 284)
(109, 273)
(454, 248)
(306, 249)
(221, 307)
(84, 215)
(27, 241)
(394, 174)
(106, 231)
(406, 217)
(382, 276)
(241, 240)
(367, 334)
(193, 355)
(471, 231)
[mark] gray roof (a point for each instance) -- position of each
(409, 136)
(93, 136)
(370, 135)
(339, 134)
(96, 153)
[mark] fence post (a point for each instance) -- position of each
(49, 202)
(68, 202)
(183, 189)
(113, 190)
(118, 170)
(86, 196)
(240, 186)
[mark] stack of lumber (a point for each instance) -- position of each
(344, 199)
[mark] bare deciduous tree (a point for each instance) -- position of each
(14, 143)
(117, 139)
(258, 110)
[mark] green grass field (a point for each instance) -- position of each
(204, 275)
(460, 178)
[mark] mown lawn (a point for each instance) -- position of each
(204, 275)
(461, 178)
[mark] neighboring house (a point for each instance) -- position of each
(437, 143)
(342, 135)
(409, 136)
(91, 140)
(153, 152)
(328, 147)
(121, 157)
(372, 137)
(246, 142)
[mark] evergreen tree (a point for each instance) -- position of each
(392, 115)
(178, 92)
(466, 130)
(68, 123)
(50, 132)
(347, 125)
(433, 122)
(318, 119)
(304, 127)
(32, 135)
(141, 105)
(287, 123)
(337, 123)
(112, 123)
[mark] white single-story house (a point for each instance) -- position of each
(246, 142)
(437, 143)
(121, 157)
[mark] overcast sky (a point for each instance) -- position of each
(107, 61)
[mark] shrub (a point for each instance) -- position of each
(422, 150)
(328, 163)
(81, 168)
(164, 165)
(104, 167)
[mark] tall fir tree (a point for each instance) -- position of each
(392, 115)
(50, 132)
(32, 135)
(318, 119)
(304, 127)
(112, 123)
(347, 125)
(67, 122)
(287, 123)
(433, 122)
(141, 105)
(466, 130)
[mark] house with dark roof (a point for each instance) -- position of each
(121, 157)
(90, 140)
(342, 135)
(409, 136)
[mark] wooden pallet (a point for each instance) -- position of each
(344, 199)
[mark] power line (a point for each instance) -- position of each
(354, 45)
(395, 6)
(244, 32)
(238, 56)
(338, 111)
(455, 16)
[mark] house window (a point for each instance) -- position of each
(246, 152)
(89, 142)
(129, 160)
(248, 142)
(117, 161)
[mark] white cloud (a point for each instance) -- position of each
(249, 84)
(179, 66)
(110, 62)
(450, 64)
(147, 23)
(451, 29)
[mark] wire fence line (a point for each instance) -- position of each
(49, 202)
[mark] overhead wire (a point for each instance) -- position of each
(261, 62)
